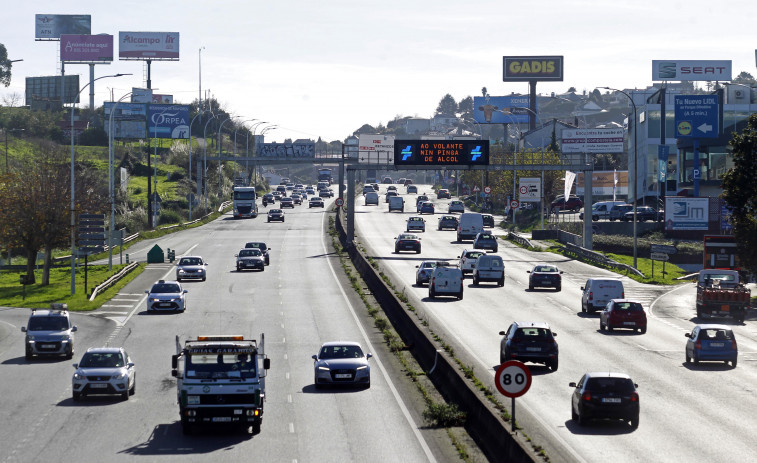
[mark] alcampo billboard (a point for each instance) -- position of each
(86, 48)
(158, 46)
(52, 26)
(527, 68)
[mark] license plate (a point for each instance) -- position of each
(165, 304)
(98, 386)
(725, 308)
(547, 282)
(221, 419)
(342, 376)
(47, 346)
(409, 246)
(629, 323)
(533, 349)
(611, 400)
(717, 344)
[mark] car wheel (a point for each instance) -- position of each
(688, 359)
(396, 250)
(475, 280)
(643, 330)
(558, 288)
(29, 354)
(583, 307)
(460, 295)
(125, 395)
(601, 326)
(269, 220)
(635, 422)
(502, 281)
(696, 360)
(76, 396)
(431, 292)
(502, 358)
(255, 428)
(573, 414)
(178, 279)
(133, 389)
(530, 287)
(581, 420)
(186, 427)
(418, 251)
(610, 328)
(553, 365)
(70, 354)
(733, 363)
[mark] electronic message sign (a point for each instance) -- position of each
(441, 152)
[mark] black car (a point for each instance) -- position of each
(448, 222)
(269, 198)
(407, 242)
(545, 276)
(574, 204)
(644, 213)
(529, 342)
(263, 248)
(488, 220)
(485, 241)
(605, 395)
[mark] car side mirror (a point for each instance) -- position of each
(501, 333)
(130, 365)
(554, 334)
(582, 288)
(416, 266)
(572, 384)
(185, 291)
(23, 329)
(266, 364)
(174, 361)
(315, 357)
(74, 329)
(75, 365)
(528, 271)
(368, 355)
(688, 335)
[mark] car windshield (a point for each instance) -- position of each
(630, 306)
(473, 255)
(408, 237)
(532, 333)
(415, 219)
(426, 265)
(102, 360)
(220, 366)
(48, 324)
(260, 246)
(600, 385)
(485, 237)
(250, 252)
(165, 288)
(275, 211)
(545, 269)
(715, 334)
(340, 352)
(190, 261)
(244, 195)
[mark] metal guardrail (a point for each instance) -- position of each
(519, 239)
(112, 280)
(591, 256)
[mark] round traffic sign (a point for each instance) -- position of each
(523, 190)
(487, 189)
(339, 202)
(513, 378)
(684, 128)
(514, 204)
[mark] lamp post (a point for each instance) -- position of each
(515, 156)
(241, 124)
(247, 148)
(635, 172)
(73, 184)
(220, 145)
(205, 163)
(158, 118)
(112, 180)
(6, 145)
(200, 113)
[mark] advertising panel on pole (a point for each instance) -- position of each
(286, 150)
(141, 95)
(129, 120)
(441, 152)
(682, 213)
(168, 121)
(376, 149)
(162, 98)
(86, 48)
(592, 141)
(527, 68)
(48, 88)
(501, 109)
(52, 26)
(156, 46)
(602, 183)
(697, 116)
(689, 70)
(529, 189)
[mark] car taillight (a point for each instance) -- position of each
(733, 344)
(623, 295)
(634, 397)
(698, 345)
(591, 295)
(586, 396)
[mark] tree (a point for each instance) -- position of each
(745, 78)
(740, 192)
(466, 106)
(484, 91)
(447, 106)
(5, 66)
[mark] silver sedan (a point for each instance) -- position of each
(341, 363)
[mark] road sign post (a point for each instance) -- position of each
(513, 379)
(339, 202)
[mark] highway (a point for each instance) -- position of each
(298, 302)
(688, 412)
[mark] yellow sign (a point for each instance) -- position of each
(684, 128)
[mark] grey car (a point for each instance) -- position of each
(341, 363)
(191, 268)
(166, 295)
(250, 258)
(104, 370)
(49, 332)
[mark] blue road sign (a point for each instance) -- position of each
(696, 116)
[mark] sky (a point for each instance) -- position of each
(324, 68)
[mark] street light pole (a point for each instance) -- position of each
(635, 172)
(200, 113)
(205, 162)
(73, 185)
(112, 181)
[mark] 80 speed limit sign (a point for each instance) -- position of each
(513, 378)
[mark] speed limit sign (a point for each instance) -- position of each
(487, 189)
(514, 204)
(339, 202)
(523, 189)
(513, 378)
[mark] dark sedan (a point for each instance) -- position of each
(644, 213)
(605, 395)
(407, 242)
(488, 220)
(448, 222)
(545, 276)
(485, 241)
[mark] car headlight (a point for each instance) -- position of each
(65, 337)
(154, 300)
(121, 375)
(200, 270)
(323, 369)
(181, 270)
(362, 368)
(30, 337)
(79, 376)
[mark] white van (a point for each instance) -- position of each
(489, 268)
(446, 281)
(470, 225)
(601, 209)
(599, 291)
(371, 197)
(396, 203)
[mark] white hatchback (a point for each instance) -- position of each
(416, 224)
(468, 259)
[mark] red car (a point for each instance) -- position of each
(574, 204)
(623, 313)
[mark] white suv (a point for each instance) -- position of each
(104, 370)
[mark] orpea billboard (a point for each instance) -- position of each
(168, 121)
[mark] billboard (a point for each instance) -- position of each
(48, 88)
(602, 183)
(441, 152)
(148, 46)
(286, 150)
(86, 48)
(141, 95)
(129, 119)
(688, 70)
(593, 141)
(527, 68)
(489, 110)
(683, 213)
(52, 26)
(529, 190)
(168, 121)
(373, 149)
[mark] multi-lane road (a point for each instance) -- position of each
(688, 412)
(298, 302)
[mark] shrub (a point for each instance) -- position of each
(444, 415)
(169, 217)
